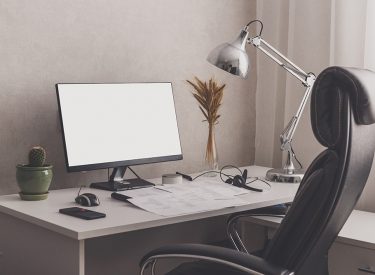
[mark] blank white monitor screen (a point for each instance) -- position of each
(111, 125)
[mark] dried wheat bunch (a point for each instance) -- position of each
(209, 96)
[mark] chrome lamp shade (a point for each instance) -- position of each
(232, 57)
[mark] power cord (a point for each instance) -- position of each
(79, 191)
(295, 157)
(230, 176)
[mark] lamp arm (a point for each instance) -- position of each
(287, 134)
(307, 80)
(258, 42)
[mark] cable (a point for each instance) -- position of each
(258, 21)
(257, 178)
(218, 172)
(222, 174)
(246, 183)
(207, 172)
(295, 157)
(231, 166)
(79, 191)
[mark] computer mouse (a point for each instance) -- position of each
(87, 199)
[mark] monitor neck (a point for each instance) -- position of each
(118, 174)
(116, 181)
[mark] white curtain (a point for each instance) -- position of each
(369, 57)
(314, 34)
(353, 44)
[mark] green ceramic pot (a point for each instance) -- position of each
(34, 180)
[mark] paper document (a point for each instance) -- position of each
(143, 192)
(174, 205)
(187, 197)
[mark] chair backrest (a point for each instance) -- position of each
(342, 114)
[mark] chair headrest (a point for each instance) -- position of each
(327, 101)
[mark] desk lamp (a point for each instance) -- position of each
(232, 58)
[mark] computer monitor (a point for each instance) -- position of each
(117, 125)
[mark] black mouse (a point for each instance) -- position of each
(88, 199)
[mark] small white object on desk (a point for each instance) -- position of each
(171, 178)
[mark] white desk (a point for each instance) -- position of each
(51, 243)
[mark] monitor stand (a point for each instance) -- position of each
(118, 183)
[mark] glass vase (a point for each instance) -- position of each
(212, 160)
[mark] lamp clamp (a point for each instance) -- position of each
(255, 41)
(309, 80)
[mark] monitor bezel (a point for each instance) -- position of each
(107, 165)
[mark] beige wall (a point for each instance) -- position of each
(46, 42)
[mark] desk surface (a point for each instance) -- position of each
(121, 216)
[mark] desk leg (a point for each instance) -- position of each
(29, 249)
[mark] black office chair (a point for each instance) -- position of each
(342, 114)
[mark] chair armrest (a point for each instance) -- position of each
(238, 260)
(270, 211)
(278, 210)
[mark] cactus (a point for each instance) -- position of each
(37, 156)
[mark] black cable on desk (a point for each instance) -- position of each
(221, 173)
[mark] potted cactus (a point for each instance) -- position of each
(34, 178)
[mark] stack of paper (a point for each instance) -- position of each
(186, 198)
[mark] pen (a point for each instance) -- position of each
(185, 176)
